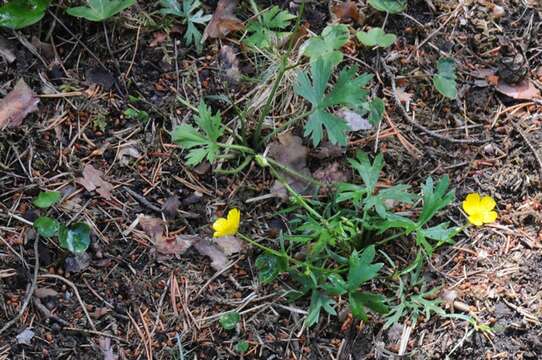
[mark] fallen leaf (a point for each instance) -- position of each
(403, 96)
(6, 50)
(327, 150)
(25, 337)
(207, 248)
(171, 206)
(223, 21)
(126, 153)
(331, 174)
(45, 292)
(92, 180)
(229, 244)
(346, 12)
(290, 152)
(524, 90)
(158, 38)
(354, 120)
(43, 48)
(153, 227)
(14, 107)
(229, 64)
(176, 246)
(100, 312)
(77, 263)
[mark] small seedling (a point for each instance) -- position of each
(376, 37)
(444, 80)
(241, 347)
(229, 320)
(389, 6)
(267, 29)
(46, 199)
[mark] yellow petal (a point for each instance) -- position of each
(234, 218)
(487, 203)
(220, 226)
(471, 204)
(490, 217)
(476, 219)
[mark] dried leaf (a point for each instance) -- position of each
(229, 244)
(177, 246)
(6, 51)
(331, 174)
(126, 153)
(92, 180)
(43, 48)
(20, 102)
(229, 64)
(207, 248)
(354, 120)
(158, 38)
(171, 206)
(524, 90)
(327, 150)
(290, 152)
(153, 227)
(45, 292)
(347, 12)
(77, 263)
(403, 96)
(223, 21)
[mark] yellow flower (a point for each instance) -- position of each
(480, 210)
(228, 226)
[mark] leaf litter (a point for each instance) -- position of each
(223, 21)
(16, 105)
(92, 180)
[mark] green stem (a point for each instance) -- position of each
(241, 148)
(282, 70)
(289, 123)
(293, 172)
(238, 169)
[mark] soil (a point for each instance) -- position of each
(144, 305)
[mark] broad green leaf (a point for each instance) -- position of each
(46, 199)
(422, 241)
(269, 267)
(100, 10)
(75, 239)
(356, 306)
(327, 45)
(360, 300)
(397, 193)
(135, 114)
(376, 37)
(435, 198)
(389, 6)
(267, 29)
(347, 91)
(335, 285)
(241, 347)
(368, 172)
(229, 320)
(17, 14)
(444, 80)
(376, 110)
(319, 301)
(442, 232)
(200, 145)
(361, 270)
(46, 226)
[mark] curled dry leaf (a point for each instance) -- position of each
(16, 105)
(217, 256)
(524, 90)
(229, 64)
(354, 120)
(92, 180)
(223, 21)
(126, 153)
(152, 226)
(229, 244)
(290, 152)
(177, 246)
(347, 12)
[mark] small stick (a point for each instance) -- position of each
(414, 123)
(142, 200)
(30, 290)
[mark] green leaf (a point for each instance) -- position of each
(435, 198)
(347, 91)
(17, 14)
(135, 114)
(360, 300)
(442, 232)
(46, 226)
(376, 37)
(336, 285)
(269, 267)
(389, 6)
(100, 10)
(397, 193)
(444, 80)
(326, 45)
(241, 347)
(201, 146)
(75, 239)
(191, 15)
(229, 320)
(46, 199)
(361, 270)
(266, 29)
(368, 172)
(319, 301)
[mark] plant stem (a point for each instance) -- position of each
(289, 123)
(282, 70)
(238, 169)
(241, 148)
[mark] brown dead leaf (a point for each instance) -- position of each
(331, 174)
(171, 206)
(223, 21)
(153, 227)
(229, 244)
(207, 248)
(14, 107)
(158, 38)
(327, 150)
(92, 180)
(524, 90)
(346, 12)
(42, 292)
(290, 152)
(229, 64)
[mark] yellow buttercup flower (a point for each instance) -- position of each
(480, 209)
(227, 226)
